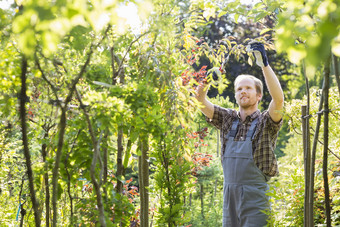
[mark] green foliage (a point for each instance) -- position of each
(309, 31)
(9, 76)
(13, 178)
(171, 177)
(287, 190)
(211, 177)
(207, 171)
(133, 81)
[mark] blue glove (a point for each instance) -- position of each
(259, 53)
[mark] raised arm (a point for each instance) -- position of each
(275, 91)
(201, 96)
(272, 82)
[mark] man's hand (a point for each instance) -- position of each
(259, 53)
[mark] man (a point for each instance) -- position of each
(248, 140)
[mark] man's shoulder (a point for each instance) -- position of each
(267, 124)
(264, 114)
(225, 111)
(266, 117)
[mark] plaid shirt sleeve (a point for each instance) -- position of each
(220, 114)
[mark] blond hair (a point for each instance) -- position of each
(258, 83)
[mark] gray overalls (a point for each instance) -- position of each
(244, 185)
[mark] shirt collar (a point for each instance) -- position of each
(250, 117)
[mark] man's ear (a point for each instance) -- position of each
(236, 99)
(259, 97)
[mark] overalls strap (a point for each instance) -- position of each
(251, 132)
(233, 130)
(252, 129)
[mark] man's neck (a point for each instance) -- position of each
(246, 112)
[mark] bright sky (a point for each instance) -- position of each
(4, 4)
(128, 12)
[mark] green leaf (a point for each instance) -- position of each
(98, 20)
(60, 190)
(222, 13)
(265, 31)
(49, 43)
(258, 5)
(236, 16)
(27, 42)
(260, 16)
(296, 54)
(121, 178)
(102, 84)
(250, 61)
(21, 22)
(336, 49)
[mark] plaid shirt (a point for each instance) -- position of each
(265, 136)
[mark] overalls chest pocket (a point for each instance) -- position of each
(241, 148)
(238, 149)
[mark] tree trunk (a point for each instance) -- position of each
(23, 99)
(95, 159)
(105, 161)
(202, 201)
(62, 127)
(215, 191)
(21, 208)
(325, 147)
(23, 213)
(46, 180)
(114, 73)
(69, 177)
(120, 167)
(62, 123)
(313, 153)
(144, 182)
(308, 209)
(336, 71)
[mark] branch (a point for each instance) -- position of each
(62, 125)
(27, 154)
(330, 151)
(23, 211)
(96, 155)
(113, 58)
(294, 128)
(54, 89)
(336, 70)
(69, 176)
(129, 48)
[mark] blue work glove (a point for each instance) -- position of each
(259, 53)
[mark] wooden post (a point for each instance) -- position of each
(144, 181)
(308, 207)
(325, 143)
